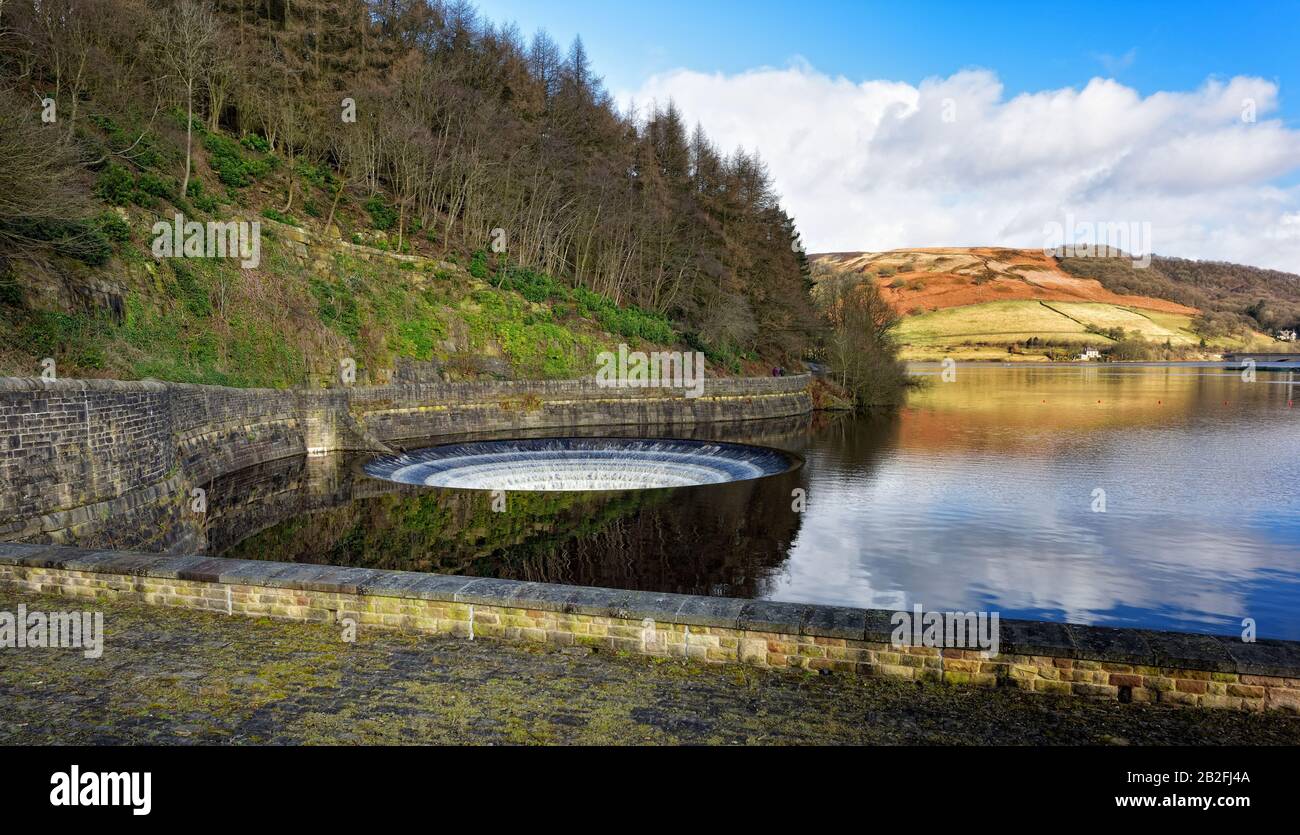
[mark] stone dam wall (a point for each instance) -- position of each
(83, 454)
(77, 453)
(1126, 665)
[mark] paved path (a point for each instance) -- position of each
(175, 676)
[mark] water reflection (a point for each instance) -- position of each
(727, 540)
(980, 494)
(986, 498)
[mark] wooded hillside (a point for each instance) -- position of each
(465, 133)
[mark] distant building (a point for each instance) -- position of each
(1089, 354)
(1286, 336)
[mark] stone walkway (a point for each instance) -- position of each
(183, 677)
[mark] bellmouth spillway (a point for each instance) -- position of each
(580, 464)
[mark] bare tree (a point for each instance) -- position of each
(38, 182)
(293, 132)
(862, 346)
(219, 81)
(186, 39)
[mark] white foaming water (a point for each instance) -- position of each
(579, 464)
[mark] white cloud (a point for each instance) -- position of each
(876, 165)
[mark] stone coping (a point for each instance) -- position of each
(1018, 637)
(465, 388)
(69, 384)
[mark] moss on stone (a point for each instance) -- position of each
(178, 676)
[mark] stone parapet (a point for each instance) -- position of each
(1127, 665)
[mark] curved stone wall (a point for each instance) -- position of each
(76, 453)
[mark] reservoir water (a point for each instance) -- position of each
(1162, 497)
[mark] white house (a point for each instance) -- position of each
(1286, 336)
(1089, 354)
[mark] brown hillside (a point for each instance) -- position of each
(943, 277)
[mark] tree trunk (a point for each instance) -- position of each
(338, 194)
(189, 131)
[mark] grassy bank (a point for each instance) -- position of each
(206, 320)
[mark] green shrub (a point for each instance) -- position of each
(144, 150)
(535, 346)
(71, 338)
(181, 119)
(336, 305)
(86, 243)
(155, 186)
(104, 123)
(723, 356)
(11, 292)
(631, 322)
(314, 174)
(253, 142)
(114, 227)
(115, 185)
(279, 217)
(205, 202)
(231, 166)
(190, 290)
(83, 240)
(143, 199)
(478, 265)
(536, 287)
(382, 216)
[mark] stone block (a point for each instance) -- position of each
(770, 616)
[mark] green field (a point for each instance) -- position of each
(980, 327)
(1153, 327)
(993, 322)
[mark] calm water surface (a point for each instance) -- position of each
(983, 493)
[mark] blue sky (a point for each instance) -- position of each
(914, 123)
(1031, 45)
